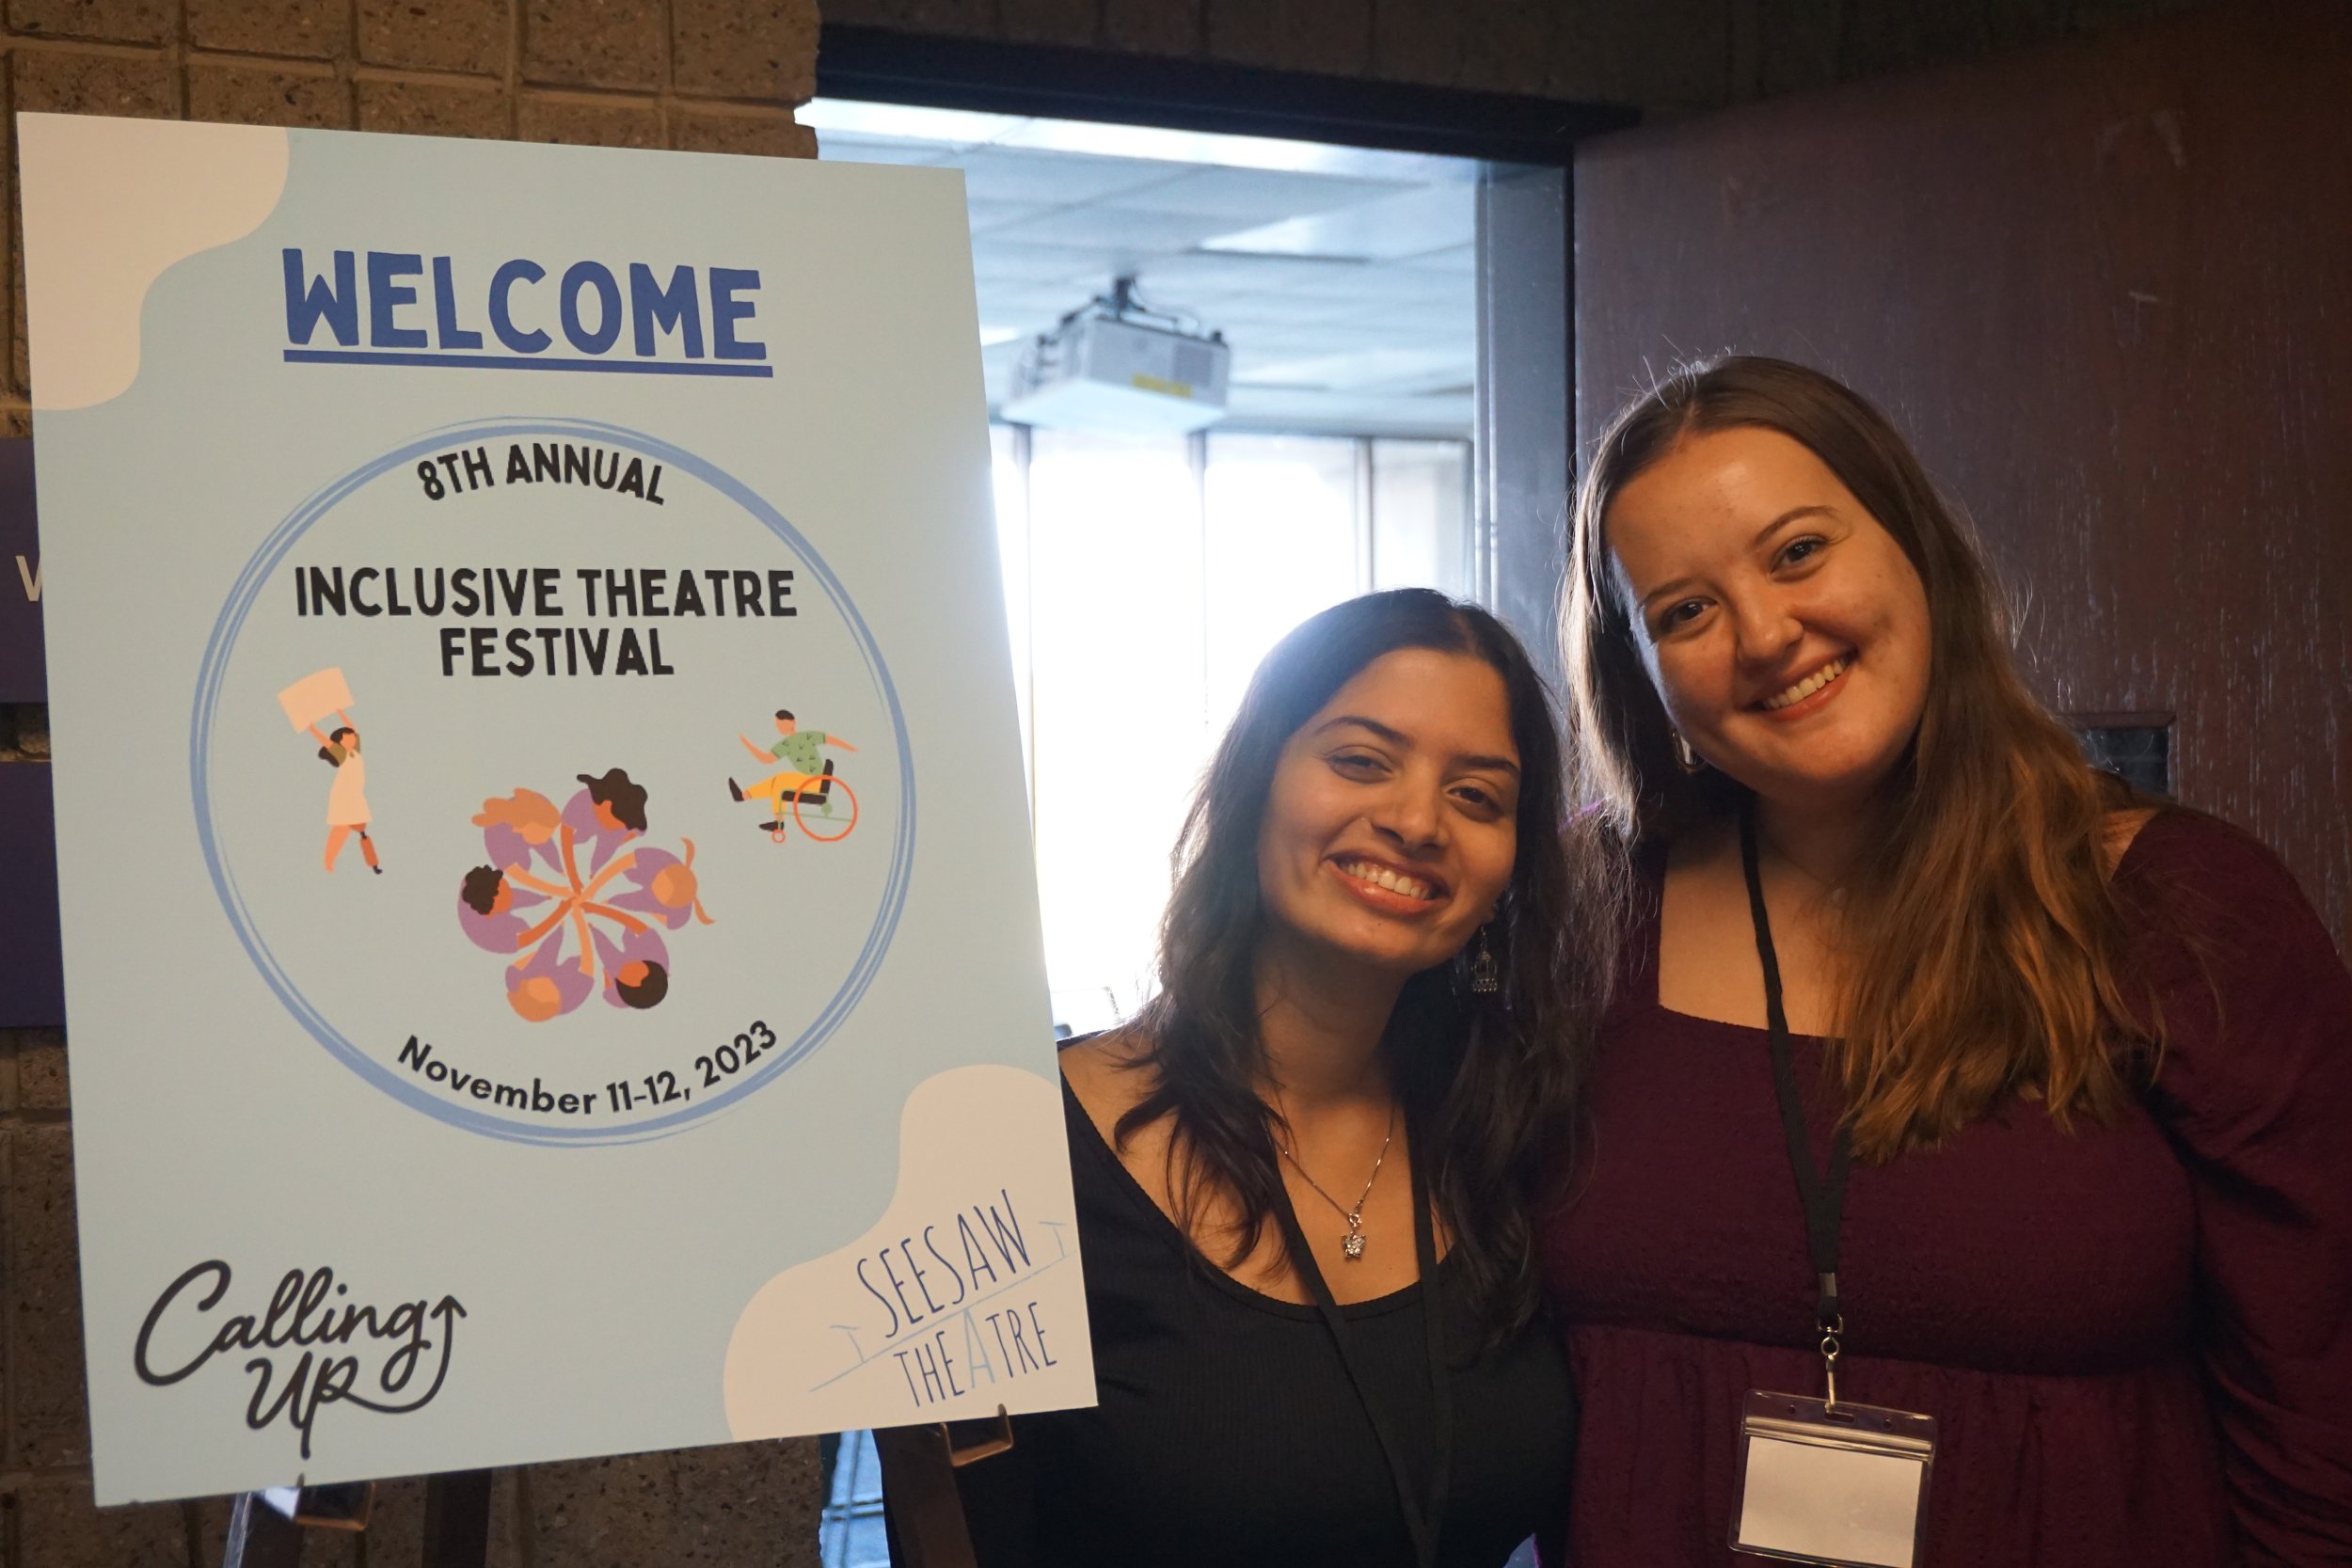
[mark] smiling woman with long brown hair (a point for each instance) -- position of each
(1939, 1061)
(1304, 1174)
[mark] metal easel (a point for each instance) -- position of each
(266, 1528)
(919, 1466)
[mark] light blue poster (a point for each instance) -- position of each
(551, 951)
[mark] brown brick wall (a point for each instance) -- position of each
(1663, 56)
(718, 75)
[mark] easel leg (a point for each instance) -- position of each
(919, 1478)
(260, 1536)
(457, 1519)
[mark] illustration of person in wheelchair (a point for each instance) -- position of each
(804, 792)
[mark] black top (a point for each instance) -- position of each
(1227, 1430)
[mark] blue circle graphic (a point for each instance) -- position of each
(214, 669)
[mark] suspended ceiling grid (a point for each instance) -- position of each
(1342, 277)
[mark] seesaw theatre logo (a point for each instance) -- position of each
(312, 1344)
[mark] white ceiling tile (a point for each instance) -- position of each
(1460, 259)
(998, 174)
(1196, 274)
(1414, 223)
(1374, 346)
(991, 216)
(1216, 149)
(1115, 227)
(835, 149)
(1041, 302)
(1347, 413)
(1370, 366)
(903, 123)
(995, 259)
(1248, 195)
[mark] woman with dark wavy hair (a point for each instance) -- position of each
(1303, 1172)
(1944, 1075)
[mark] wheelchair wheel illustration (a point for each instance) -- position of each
(811, 817)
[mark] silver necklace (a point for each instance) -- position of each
(1352, 1244)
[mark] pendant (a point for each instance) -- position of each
(1352, 1244)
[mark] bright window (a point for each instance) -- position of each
(1144, 579)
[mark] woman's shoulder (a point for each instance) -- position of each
(2202, 871)
(2220, 920)
(1109, 1073)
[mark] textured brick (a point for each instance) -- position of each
(395, 1534)
(1669, 54)
(963, 17)
(51, 1424)
(59, 1526)
(604, 1512)
(256, 95)
(434, 108)
(590, 122)
(1883, 39)
(394, 1537)
(1050, 20)
(308, 29)
(737, 1503)
(1794, 44)
(753, 1502)
(107, 21)
(32, 726)
(41, 1070)
(764, 49)
(772, 135)
(16, 420)
(69, 82)
(1416, 41)
(1243, 31)
(1510, 49)
(1153, 26)
(19, 350)
(593, 43)
(1333, 37)
(9, 218)
(2011, 22)
(470, 35)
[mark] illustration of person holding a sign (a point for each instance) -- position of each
(807, 777)
(307, 704)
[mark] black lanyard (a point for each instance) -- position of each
(1422, 1526)
(1823, 1195)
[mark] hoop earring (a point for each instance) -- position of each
(1687, 760)
(1486, 974)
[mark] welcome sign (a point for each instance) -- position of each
(551, 950)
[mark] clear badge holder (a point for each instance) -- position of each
(1842, 1484)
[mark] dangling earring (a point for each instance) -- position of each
(1690, 761)
(1486, 974)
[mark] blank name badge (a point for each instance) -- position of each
(1843, 1485)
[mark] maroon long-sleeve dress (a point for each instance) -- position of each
(2137, 1340)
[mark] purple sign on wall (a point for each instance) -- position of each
(24, 671)
(32, 980)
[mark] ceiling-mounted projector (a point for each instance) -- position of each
(1112, 365)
